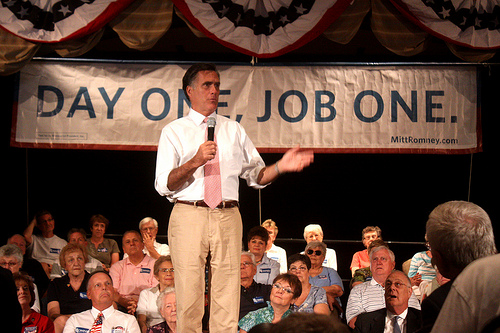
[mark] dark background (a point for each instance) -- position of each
(342, 192)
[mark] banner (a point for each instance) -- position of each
(351, 109)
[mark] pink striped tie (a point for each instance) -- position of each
(213, 192)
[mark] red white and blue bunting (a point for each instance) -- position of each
(474, 24)
(263, 28)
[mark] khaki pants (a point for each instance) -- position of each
(194, 233)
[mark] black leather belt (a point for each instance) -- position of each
(201, 203)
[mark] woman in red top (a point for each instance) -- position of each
(26, 297)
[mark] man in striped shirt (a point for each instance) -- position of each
(369, 296)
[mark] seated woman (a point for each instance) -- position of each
(32, 320)
(67, 295)
(286, 289)
(312, 298)
(314, 233)
(324, 277)
(147, 312)
(105, 250)
(167, 308)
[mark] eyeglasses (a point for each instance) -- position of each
(164, 270)
(8, 263)
(396, 284)
(279, 287)
(247, 263)
(301, 268)
(317, 252)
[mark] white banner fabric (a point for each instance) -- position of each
(373, 109)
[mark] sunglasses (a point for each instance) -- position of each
(317, 252)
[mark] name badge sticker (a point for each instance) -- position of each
(33, 329)
(103, 250)
(265, 270)
(117, 329)
(54, 250)
(83, 295)
(81, 330)
(258, 300)
(322, 277)
(146, 270)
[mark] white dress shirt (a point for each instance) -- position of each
(114, 322)
(389, 321)
(179, 143)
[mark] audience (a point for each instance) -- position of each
(314, 232)
(273, 251)
(361, 259)
(312, 298)
(32, 321)
(286, 288)
(31, 266)
(67, 295)
(396, 315)
(324, 277)
(45, 247)
(11, 258)
(472, 301)
(421, 271)
(364, 274)
(101, 292)
(369, 296)
(105, 250)
(267, 269)
(147, 312)
(459, 232)
(132, 274)
(167, 307)
(254, 295)
(77, 236)
(149, 229)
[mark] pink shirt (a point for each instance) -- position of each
(129, 280)
(360, 259)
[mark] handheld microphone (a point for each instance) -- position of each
(211, 128)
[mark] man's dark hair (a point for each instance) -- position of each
(192, 73)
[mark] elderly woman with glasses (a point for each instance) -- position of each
(324, 277)
(148, 314)
(312, 298)
(286, 289)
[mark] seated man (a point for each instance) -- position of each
(369, 296)
(253, 295)
(45, 247)
(273, 251)
(132, 274)
(267, 269)
(100, 291)
(396, 314)
(149, 229)
(77, 236)
(31, 266)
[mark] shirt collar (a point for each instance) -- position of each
(197, 117)
(106, 312)
(402, 315)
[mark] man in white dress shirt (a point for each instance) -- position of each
(101, 292)
(149, 229)
(197, 230)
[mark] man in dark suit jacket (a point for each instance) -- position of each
(397, 293)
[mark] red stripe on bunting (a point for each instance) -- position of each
(328, 17)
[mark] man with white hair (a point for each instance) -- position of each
(314, 232)
(149, 229)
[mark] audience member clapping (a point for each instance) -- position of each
(133, 274)
(267, 269)
(323, 276)
(312, 298)
(147, 311)
(314, 232)
(166, 305)
(32, 320)
(286, 288)
(67, 295)
(361, 259)
(105, 250)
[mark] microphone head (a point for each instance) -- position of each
(211, 122)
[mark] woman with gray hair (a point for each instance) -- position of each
(324, 277)
(167, 308)
(147, 312)
(314, 232)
